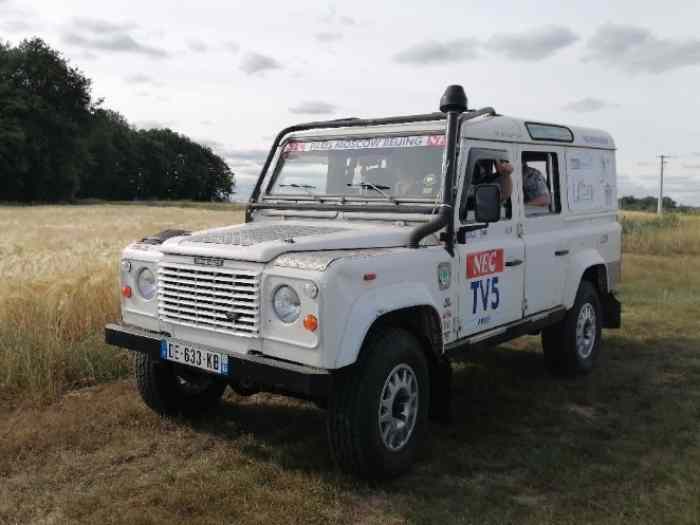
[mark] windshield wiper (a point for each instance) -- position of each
(376, 187)
(304, 187)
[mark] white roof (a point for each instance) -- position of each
(493, 128)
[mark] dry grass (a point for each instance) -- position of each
(620, 446)
(59, 268)
(671, 234)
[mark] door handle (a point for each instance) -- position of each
(514, 262)
(559, 253)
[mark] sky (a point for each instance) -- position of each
(231, 74)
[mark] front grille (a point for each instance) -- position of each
(223, 300)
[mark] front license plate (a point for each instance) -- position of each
(193, 356)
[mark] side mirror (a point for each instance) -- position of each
(487, 199)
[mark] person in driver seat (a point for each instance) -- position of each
(495, 172)
(418, 185)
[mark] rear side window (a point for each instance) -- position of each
(541, 183)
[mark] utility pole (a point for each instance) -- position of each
(660, 204)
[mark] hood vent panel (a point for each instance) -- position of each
(248, 236)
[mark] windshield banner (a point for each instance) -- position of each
(411, 141)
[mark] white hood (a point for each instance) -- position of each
(263, 241)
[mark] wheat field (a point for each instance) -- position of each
(59, 267)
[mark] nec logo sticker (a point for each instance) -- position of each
(485, 263)
(485, 293)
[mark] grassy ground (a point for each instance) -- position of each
(620, 446)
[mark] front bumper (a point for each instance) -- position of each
(272, 375)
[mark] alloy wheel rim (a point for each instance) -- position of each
(586, 331)
(398, 407)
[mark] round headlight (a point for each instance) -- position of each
(146, 284)
(286, 304)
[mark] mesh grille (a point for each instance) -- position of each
(219, 299)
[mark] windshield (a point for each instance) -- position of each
(401, 167)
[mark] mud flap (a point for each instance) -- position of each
(612, 312)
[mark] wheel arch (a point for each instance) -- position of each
(423, 322)
(597, 275)
(391, 304)
(595, 271)
(588, 265)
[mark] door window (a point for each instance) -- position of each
(541, 188)
(487, 166)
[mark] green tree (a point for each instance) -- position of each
(45, 104)
(56, 145)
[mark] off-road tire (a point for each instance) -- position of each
(162, 391)
(559, 342)
(353, 424)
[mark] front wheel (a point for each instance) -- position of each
(170, 389)
(571, 347)
(378, 411)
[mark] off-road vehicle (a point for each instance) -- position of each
(373, 251)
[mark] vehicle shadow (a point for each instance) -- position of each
(514, 428)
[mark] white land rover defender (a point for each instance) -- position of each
(373, 250)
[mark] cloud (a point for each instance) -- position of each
(588, 105)
(328, 37)
(536, 44)
(631, 186)
(637, 50)
(243, 156)
(251, 158)
(94, 25)
(153, 124)
(14, 26)
(434, 52)
(140, 78)
(313, 107)
(253, 63)
(197, 46)
(100, 35)
(232, 46)
(118, 43)
(332, 17)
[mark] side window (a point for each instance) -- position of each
(541, 190)
(487, 166)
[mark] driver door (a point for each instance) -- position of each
(491, 258)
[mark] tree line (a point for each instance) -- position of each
(649, 204)
(57, 144)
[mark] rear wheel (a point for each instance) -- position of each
(571, 347)
(378, 412)
(171, 389)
